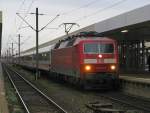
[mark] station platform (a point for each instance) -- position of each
(3, 101)
(136, 84)
(141, 78)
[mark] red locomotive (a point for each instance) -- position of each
(84, 59)
(87, 60)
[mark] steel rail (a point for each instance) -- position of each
(24, 105)
(48, 98)
(40, 92)
(124, 102)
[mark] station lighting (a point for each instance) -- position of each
(124, 31)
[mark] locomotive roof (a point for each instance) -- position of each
(70, 41)
(94, 38)
(63, 43)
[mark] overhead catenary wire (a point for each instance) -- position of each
(25, 16)
(76, 9)
(101, 10)
(17, 29)
(26, 22)
(37, 35)
(33, 27)
(80, 7)
(22, 4)
(24, 41)
(84, 6)
(49, 22)
(98, 11)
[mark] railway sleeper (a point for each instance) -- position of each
(98, 107)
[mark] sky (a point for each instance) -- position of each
(82, 12)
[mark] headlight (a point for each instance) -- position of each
(112, 67)
(87, 67)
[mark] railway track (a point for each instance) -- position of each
(133, 102)
(143, 106)
(33, 100)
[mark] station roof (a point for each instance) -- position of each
(135, 22)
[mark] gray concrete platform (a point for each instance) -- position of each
(3, 101)
(136, 84)
(140, 78)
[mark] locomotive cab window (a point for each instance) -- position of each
(91, 48)
(96, 48)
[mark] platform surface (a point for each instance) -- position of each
(141, 78)
(3, 102)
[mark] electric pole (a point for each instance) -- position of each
(37, 52)
(12, 49)
(7, 56)
(68, 27)
(12, 52)
(19, 47)
(37, 35)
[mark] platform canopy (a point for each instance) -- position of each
(132, 25)
(0, 31)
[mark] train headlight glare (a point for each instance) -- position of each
(87, 68)
(100, 56)
(112, 67)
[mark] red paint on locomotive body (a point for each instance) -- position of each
(75, 61)
(64, 60)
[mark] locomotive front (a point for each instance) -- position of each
(99, 62)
